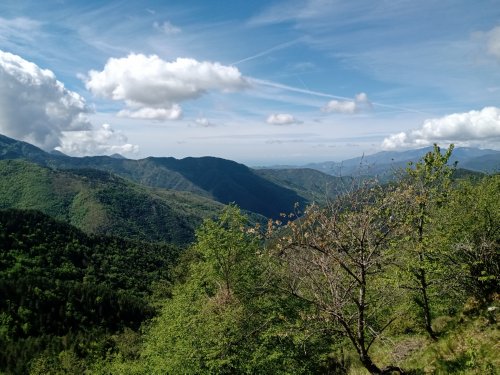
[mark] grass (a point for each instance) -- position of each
(467, 344)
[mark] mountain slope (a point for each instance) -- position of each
(311, 184)
(219, 179)
(103, 203)
(63, 290)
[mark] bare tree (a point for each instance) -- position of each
(334, 257)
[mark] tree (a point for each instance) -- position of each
(224, 318)
(335, 259)
(470, 235)
(426, 186)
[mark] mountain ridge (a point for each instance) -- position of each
(265, 191)
(384, 162)
(222, 180)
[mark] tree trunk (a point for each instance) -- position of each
(423, 281)
(425, 304)
(368, 363)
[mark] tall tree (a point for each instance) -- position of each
(335, 259)
(425, 187)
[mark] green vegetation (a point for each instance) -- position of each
(102, 203)
(63, 291)
(224, 181)
(311, 184)
(382, 279)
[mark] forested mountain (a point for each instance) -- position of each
(100, 202)
(267, 191)
(66, 292)
(393, 279)
(222, 180)
(311, 184)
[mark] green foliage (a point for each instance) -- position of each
(102, 203)
(62, 290)
(224, 317)
(469, 231)
(344, 286)
(424, 189)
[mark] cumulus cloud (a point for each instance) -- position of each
(101, 141)
(359, 103)
(167, 28)
(281, 119)
(35, 107)
(145, 83)
(474, 128)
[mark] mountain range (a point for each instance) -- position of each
(386, 162)
(166, 199)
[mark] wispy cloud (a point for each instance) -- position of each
(167, 28)
(19, 30)
(340, 99)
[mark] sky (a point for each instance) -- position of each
(258, 82)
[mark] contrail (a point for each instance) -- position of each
(268, 51)
(295, 89)
(324, 95)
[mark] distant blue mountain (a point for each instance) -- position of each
(381, 163)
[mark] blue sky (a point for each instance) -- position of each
(260, 82)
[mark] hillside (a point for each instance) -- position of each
(102, 203)
(63, 290)
(267, 191)
(222, 180)
(311, 184)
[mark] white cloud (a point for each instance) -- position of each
(167, 28)
(344, 106)
(361, 98)
(160, 114)
(474, 128)
(281, 119)
(359, 103)
(203, 121)
(35, 106)
(101, 141)
(148, 82)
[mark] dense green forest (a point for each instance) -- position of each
(401, 277)
(99, 202)
(64, 292)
